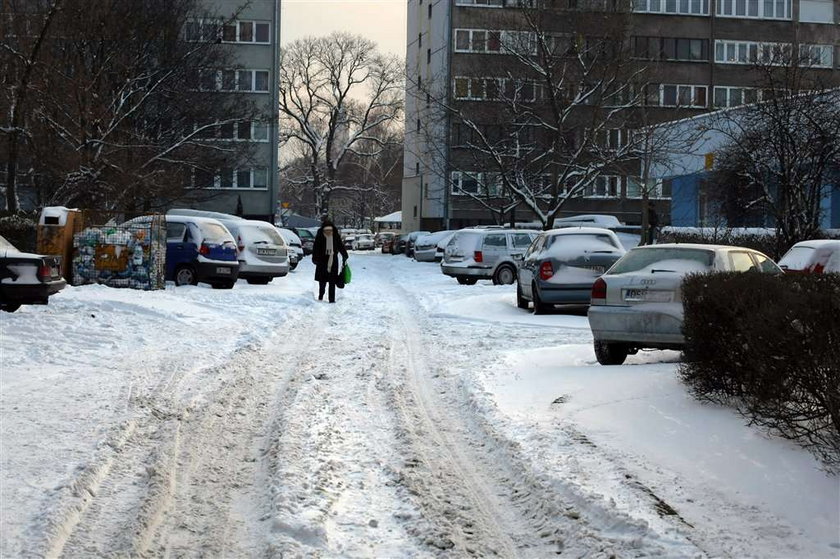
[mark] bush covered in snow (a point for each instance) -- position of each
(20, 230)
(770, 346)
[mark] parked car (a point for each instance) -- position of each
(261, 250)
(561, 265)
(637, 304)
(399, 244)
(295, 246)
(348, 241)
(382, 238)
(307, 239)
(474, 254)
(813, 257)
(27, 279)
(429, 248)
(364, 242)
(198, 250)
(411, 239)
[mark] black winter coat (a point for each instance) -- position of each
(320, 258)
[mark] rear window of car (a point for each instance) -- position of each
(573, 246)
(682, 260)
(265, 235)
(214, 233)
(466, 243)
(497, 240)
(797, 258)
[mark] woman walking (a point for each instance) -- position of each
(328, 245)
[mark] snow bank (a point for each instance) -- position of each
(761, 497)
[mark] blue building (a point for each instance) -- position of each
(688, 170)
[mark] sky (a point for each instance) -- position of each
(382, 21)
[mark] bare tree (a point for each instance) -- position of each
(336, 93)
(781, 152)
(121, 109)
(26, 31)
(556, 119)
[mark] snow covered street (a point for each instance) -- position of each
(414, 418)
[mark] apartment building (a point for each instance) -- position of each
(252, 32)
(699, 52)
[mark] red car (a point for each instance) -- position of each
(812, 257)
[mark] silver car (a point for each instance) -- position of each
(430, 248)
(638, 303)
(562, 264)
(474, 254)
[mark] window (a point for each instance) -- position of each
(685, 7)
(234, 80)
(656, 188)
(495, 240)
(740, 262)
(521, 240)
(488, 89)
(748, 52)
(229, 32)
(488, 41)
(821, 56)
(175, 231)
(764, 9)
(667, 95)
(251, 178)
(481, 3)
(419, 40)
(464, 182)
(736, 96)
(670, 48)
(428, 56)
(430, 10)
(417, 168)
(816, 11)
(604, 187)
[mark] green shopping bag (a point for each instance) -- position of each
(348, 275)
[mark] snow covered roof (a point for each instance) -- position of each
(395, 217)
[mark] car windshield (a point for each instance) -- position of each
(214, 233)
(305, 234)
(6, 245)
(672, 259)
(262, 235)
(796, 258)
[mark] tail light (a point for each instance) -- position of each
(45, 271)
(546, 271)
(204, 250)
(239, 244)
(478, 256)
(599, 289)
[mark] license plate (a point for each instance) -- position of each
(599, 269)
(647, 295)
(265, 251)
(223, 271)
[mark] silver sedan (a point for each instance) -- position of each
(638, 303)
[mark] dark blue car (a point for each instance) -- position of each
(200, 249)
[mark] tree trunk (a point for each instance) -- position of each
(12, 203)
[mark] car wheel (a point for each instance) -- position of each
(185, 275)
(223, 284)
(258, 281)
(610, 353)
(521, 301)
(505, 275)
(11, 307)
(293, 266)
(462, 281)
(539, 306)
(470, 281)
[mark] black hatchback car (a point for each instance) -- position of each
(27, 279)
